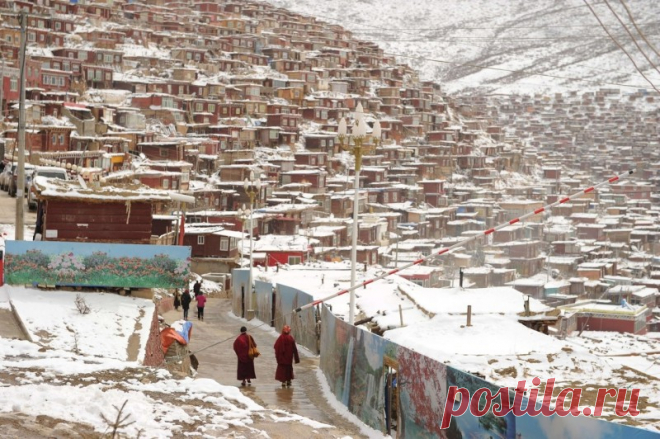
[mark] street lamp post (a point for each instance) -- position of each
(252, 189)
(357, 149)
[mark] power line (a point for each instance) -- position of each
(619, 45)
(632, 19)
(632, 37)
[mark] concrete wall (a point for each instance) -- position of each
(211, 265)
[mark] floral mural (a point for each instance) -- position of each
(96, 265)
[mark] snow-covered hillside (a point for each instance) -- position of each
(553, 37)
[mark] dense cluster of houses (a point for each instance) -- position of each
(141, 98)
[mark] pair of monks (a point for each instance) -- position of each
(285, 354)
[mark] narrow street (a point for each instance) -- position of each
(219, 362)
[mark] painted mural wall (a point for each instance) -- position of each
(303, 324)
(264, 297)
(96, 264)
(354, 363)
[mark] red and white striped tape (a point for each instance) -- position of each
(465, 241)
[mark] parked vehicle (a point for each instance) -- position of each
(14, 178)
(43, 171)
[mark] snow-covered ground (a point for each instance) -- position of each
(75, 373)
(449, 41)
(61, 326)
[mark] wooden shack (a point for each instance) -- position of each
(96, 213)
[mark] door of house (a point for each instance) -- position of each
(392, 413)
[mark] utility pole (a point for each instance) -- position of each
(20, 170)
(2, 89)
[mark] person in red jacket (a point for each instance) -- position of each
(201, 301)
(285, 352)
(245, 369)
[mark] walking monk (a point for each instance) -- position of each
(245, 371)
(285, 352)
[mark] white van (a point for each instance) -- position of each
(44, 171)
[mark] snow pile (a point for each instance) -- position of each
(61, 326)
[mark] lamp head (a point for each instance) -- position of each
(376, 130)
(341, 128)
(359, 111)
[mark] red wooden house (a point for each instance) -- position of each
(105, 213)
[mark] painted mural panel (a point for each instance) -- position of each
(487, 426)
(303, 324)
(264, 297)
(239, 282)
(96, 264)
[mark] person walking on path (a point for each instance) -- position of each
(197, 288)
(177, 300)
(185, 303)
(245, 371)
(201, 301)
(285, 353)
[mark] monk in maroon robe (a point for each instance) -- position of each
(285, 352)
(245, 371)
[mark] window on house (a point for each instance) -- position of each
(224, 244)
(175, 184)
(164, 152)
(54, 139)
(294, 260)
(42, 37)
(211, 108)
(13, 84)
(200, 240)
(166, 183)
(61, 139)
(58, 26)
(199, 107)
(61, 81)
(32, 37)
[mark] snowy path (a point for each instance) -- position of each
(219, 363)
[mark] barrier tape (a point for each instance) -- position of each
(465, 241)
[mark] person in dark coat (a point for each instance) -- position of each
(185, 303)
(245, 371)
(285, 353)
(197, 288)
(177, 300)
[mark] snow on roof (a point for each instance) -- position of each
(483, 300)
(71, 189)
(445, 337)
